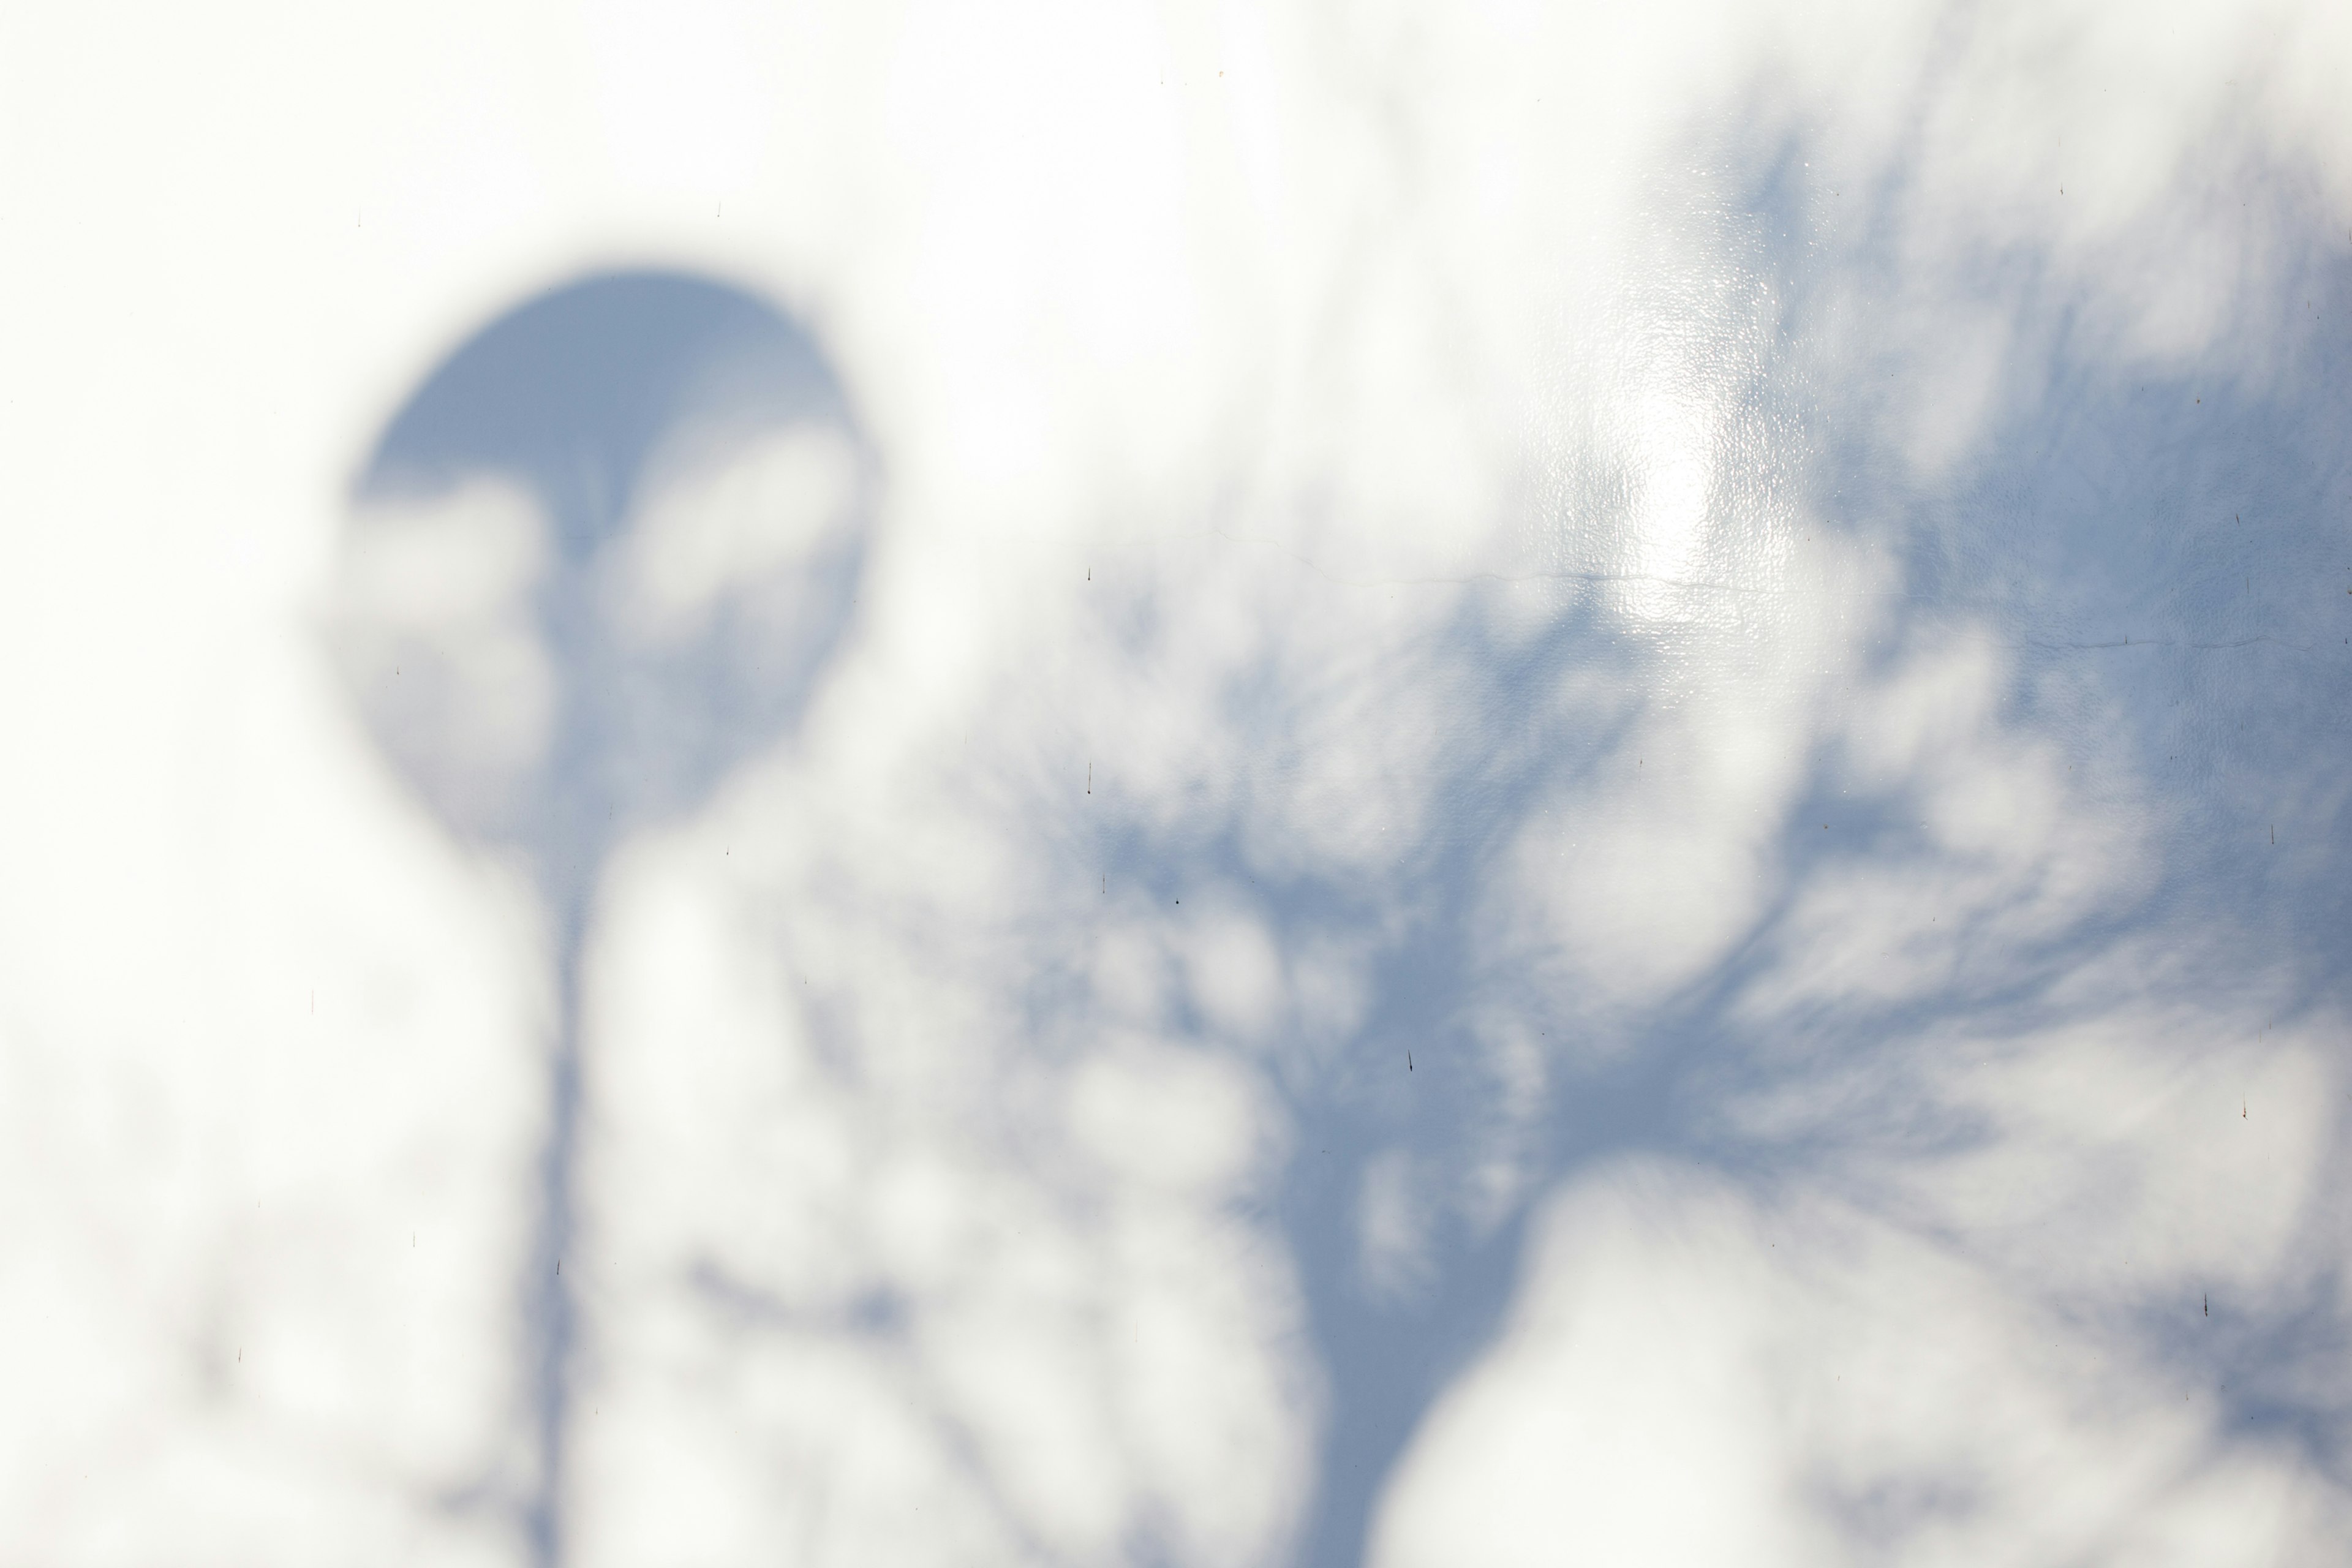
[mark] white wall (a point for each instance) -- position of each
(1768, 595)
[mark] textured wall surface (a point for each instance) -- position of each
(1211, 785)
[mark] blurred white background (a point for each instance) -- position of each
(1762, 592)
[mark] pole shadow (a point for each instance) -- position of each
(596, 561)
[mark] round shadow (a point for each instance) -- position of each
(599, 558)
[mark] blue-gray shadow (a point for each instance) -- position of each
(2174, 548)
(587, 398)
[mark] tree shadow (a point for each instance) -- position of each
(2151, 559)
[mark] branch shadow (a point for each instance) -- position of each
(2156, 557)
